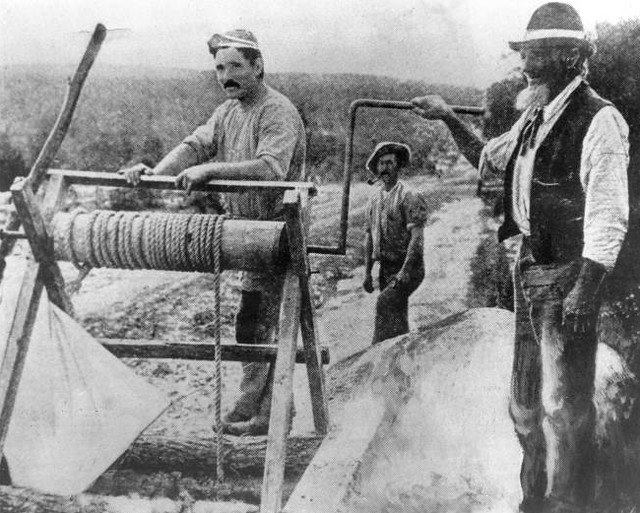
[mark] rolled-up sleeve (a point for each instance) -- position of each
(603, 173)
(416, 210)
(279, 133)
(203, 140)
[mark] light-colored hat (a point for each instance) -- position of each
(402, 152)
(554, 21)
(238, 38)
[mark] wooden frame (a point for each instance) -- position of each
(40, 195)
(297, 313)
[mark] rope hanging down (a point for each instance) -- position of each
(134, 240)
(217, 385)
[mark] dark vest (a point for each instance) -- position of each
(557, 200)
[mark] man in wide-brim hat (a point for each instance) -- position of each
(564, 164)
(394, 238)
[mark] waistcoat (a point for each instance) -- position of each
(557, 199)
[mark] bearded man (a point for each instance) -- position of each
(256, 134)
(564, 164)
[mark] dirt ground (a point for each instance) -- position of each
(174, 306)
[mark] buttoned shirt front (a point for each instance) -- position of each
(390, 218)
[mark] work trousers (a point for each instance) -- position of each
(257, 323)
(392, 306)
(552, 389)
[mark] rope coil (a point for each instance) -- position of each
(131, 240)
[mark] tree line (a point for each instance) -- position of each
(125, 117)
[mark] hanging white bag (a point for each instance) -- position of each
(78, 407)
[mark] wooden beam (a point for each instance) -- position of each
(53, 197)
(314, 360)
(41, 245)
(168, 182)
(133, 348)
(192, 454)
(17, 343)
(296, 232)
(59, 130)
(282, 399)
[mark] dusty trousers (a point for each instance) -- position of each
(392, 306)
(552, 389)
(257, 323)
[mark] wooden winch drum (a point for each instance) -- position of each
(177, 242)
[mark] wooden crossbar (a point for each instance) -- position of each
(168, 182)
(140, 348)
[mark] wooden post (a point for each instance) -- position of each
(41, 245)
(17, 343)
(282, 399)
(296, 233)
(52, 198)
(59, 130)
(48, 152)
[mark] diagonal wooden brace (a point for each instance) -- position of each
(41, 245)
(17, 343)
(48, 152)
(296, 234)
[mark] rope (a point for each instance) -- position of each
(74, 257)
(69, 246)
(131, 240)
(217, 388)
(182, 242)
(93, 262)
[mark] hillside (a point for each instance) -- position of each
(126, 114)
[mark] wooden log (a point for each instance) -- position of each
(246, 245)
(187, 454)
(131, 348)
(282, 399)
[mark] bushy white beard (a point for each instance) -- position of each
(535, 95)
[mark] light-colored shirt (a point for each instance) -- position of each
(390, 218)
(271, 129)
(603, 174)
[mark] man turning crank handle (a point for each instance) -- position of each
(564, 164)
(256, 134)
(394, 237)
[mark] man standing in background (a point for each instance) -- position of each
(393, 237)
(256, 134)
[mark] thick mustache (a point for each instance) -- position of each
(230, 83)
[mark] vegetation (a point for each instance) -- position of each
(125, 116)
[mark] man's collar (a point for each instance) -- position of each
(561, 99)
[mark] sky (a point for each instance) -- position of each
(461, 42)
